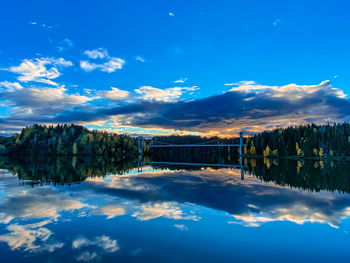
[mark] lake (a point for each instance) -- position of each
(96, 210)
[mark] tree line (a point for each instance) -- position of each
(61, 170)
(304, 141)
(67, 139)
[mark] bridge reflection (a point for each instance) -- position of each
(141, 163)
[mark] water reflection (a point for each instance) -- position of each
(115, 211)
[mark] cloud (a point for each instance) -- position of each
(149, 93)
(86, 256)
(105, 242)
(297, 213)
(165, 194)
(41, 70)
(167, 209)
(171, 14)
(247, 106)
(65, 45)
(39, 102)
(181, 80)
(34, 23)
(140, 59)
(110, 66)
(96, 53)
(114, 94)
(112, 211)
(101, 244)
(38, 203)
(30, 237)
(181, 227)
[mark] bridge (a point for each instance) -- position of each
(141, 146)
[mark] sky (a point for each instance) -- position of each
(174, 67)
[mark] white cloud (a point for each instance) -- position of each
(104, 242)
(87, 66)
(37, 97)
(38, 203)
(167, 95)
(41, 70)
(289, 92)
(110, 66)
(299, 214)
(112, 211)
(181, 227)
(167, 209)
(96, 53)
(31, 237)
(38, 102)
(171, 14)
(86, 256)
(181, 80)
(140, 59)
(114, 94)
(34, 23)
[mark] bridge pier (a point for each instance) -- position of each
(241, 154)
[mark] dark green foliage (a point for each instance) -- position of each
(64, 169)
(67, 140)
(313, 175)
(313, 141)
(332, 140)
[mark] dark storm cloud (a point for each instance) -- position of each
(297, 104)
(249, 107)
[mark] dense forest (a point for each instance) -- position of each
(63, 170)
(313, 175)
(306, 141)
(67, 140)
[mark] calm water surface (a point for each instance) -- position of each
(290, 212)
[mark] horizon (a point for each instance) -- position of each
(166, 68)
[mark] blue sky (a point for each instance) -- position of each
(134, 66)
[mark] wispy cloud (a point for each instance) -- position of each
(41, 70)
(110, 65)
(181, 80)
(28, 236)
(149, 93)
(96, 53)
(95, 247)
(65, 45)
(35, 23)
(140, 59)
(171, 14)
